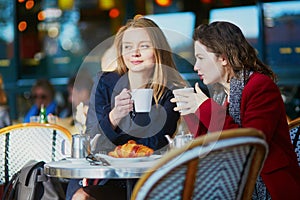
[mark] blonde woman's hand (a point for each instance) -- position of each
(191, 101)
(123, 105)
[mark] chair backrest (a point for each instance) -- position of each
(294, 128)
(220, 165)
(23, 142)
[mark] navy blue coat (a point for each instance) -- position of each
(144, 128)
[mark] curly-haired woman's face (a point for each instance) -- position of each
(137, 50)
(208, 66)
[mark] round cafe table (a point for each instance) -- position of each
(128, 169)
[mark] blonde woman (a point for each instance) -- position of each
(144, 60)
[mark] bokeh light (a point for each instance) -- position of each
(22, 26)
(163, 3)
(29, 4)
(114, 13)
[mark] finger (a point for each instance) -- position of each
(84, 182)
(179, 99)
(120, 113)
(184, 94)
(129, 94)
(176, 109)
(183, 99)
(125, 93)
(198, 90)
(181, 110)
(124, 107)
(185, 112)
(124, 102)
(124, 90)
(123, 96)
(173, 100)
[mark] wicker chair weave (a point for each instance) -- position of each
(295, 137)
(2, 159)
(171, 185)
(211, 167)
(34, 143)
(221, 180)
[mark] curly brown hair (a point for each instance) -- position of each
(225, 38)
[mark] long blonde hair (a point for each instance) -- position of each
(164, 63)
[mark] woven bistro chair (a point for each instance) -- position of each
(223, 165)
(294, 128)
(23, 142)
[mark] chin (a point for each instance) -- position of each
(205, 82)
(141, 68)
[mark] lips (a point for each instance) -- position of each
(136, 62)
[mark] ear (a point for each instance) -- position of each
(223, 60)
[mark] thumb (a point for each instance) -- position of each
(197, 88)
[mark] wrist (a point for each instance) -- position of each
(113, 121)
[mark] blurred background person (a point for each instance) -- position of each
(80, 99)
(79, 89)
(4, 109)
(42, 93)
(66, 111)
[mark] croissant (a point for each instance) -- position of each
(131, 150)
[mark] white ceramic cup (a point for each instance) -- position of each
(178, 92)
(142, 99)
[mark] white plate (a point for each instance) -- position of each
(124, 160)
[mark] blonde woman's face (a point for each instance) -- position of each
(137, 50)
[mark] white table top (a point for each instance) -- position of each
(81, 168)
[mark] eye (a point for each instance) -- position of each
(127, 47)
(199, 57)
(145, 45)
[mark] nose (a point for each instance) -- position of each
(136, 52)
(196, 66)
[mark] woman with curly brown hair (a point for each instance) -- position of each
(243, 94)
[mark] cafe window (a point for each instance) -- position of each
(281, 34)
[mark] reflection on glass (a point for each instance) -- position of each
(6, 32)
(282, 38)
(240, 17)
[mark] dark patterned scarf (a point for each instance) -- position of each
(237, 85)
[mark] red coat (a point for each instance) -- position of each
(261, 108)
